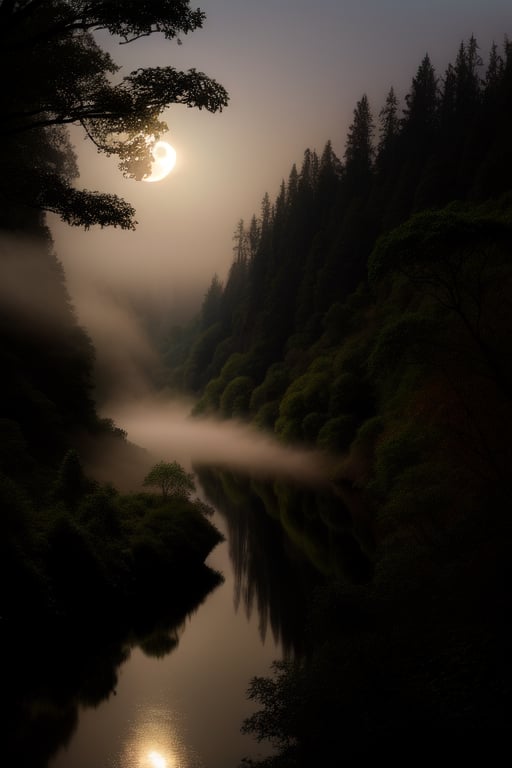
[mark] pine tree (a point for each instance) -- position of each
(253, 236)
(330, 173)
(292, 186)
(389, 127)
(448, 99)
(241, 246)
(493, 73)
(359, 151)
(210, 309)
(420, 114)
(467, 79)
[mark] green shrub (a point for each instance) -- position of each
(337, 433)
(273, 386)
(397, 453)
(99, 512)
(236, 396)
(267, 415)
(349, 394)
(405, 340)
(210, 400)
(311, 425)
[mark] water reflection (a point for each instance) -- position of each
(284, 541)
(157, 739)
(49, 677)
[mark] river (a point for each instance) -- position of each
(184, 710)
(394, 649)
(179, 701)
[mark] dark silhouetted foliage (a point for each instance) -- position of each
(55, 74)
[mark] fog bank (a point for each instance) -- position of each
(166, 430)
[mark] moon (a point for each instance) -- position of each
(164, 160)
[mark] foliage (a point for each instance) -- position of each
(56, 74)
(279, 697)
(171, 479)
(337, 433)
(368, 297)
(71, 481)
(432, 246)
(235, 398)
(273, 386)
(80, 550)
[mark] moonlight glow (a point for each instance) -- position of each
(156, 760)
(164, 160)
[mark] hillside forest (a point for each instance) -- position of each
(367, 313)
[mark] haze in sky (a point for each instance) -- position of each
(294, 71)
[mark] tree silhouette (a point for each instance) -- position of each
(54, 74)
(359, 150)
(389, 125)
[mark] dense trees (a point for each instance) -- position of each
(55, 74)
(308, 251)
(372, 315)
(372, 320)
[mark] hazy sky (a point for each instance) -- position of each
(294, 70)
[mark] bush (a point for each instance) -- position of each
(210, 401)
(273, 387)
(236, 396)
(397, 453)
(350, 394)
(267, 415)
(311, 425)
(337, 434)
(99, 512)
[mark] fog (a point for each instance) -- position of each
(30, 281)
(127, 362)
(164, 426)
(127, 367)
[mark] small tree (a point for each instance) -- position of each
(171, 478)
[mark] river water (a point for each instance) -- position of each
(185, 709)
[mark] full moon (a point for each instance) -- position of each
(164, 160)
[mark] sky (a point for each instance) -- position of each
(294, 70)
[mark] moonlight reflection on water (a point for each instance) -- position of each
(156, 739)
(157, 760)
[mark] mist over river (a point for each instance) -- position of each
(166, 429)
